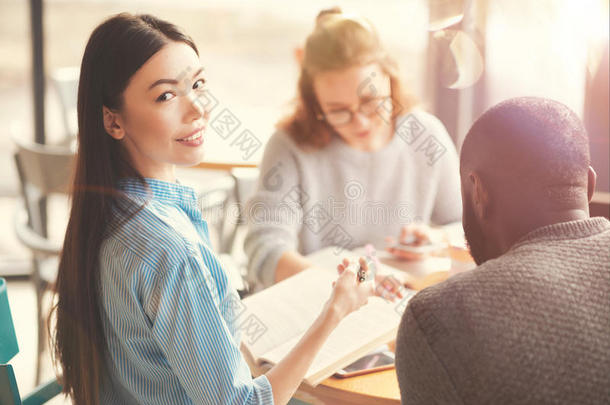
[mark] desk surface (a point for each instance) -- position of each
(225, 166)
(379, 388)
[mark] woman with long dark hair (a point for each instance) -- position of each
(144, 308)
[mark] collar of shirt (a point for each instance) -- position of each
(165, 193)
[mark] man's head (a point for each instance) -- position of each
(524, 164)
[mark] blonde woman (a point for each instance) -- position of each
(354, 163)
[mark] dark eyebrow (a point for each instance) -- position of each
(172, 81)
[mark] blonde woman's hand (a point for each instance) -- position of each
(414, 235)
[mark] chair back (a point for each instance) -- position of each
(42, 170)
(214, 202)
(65, 81)
(48, 168)
(246, 180)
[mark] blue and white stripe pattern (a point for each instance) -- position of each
(166, 308)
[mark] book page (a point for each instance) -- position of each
(361, 331)
(287, 309)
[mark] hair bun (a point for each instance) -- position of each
(328, 12)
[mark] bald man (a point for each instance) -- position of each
(531, 324)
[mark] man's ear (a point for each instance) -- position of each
(592, 178)
(298, 55)
(480, 195)
(112, 123)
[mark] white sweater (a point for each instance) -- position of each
(310, 199)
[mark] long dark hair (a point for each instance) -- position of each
(116, 49)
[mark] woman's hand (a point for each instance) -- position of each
(349, 294)
(392, 286)
(413, 235)
(387, 286)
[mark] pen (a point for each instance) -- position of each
(360, 272)
(361, 275)
(371, 262)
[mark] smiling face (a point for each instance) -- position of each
(162, 121)
(363, 90)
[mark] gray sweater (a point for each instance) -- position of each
(529, 327)
(310, 199)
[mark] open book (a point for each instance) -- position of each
(282, 314)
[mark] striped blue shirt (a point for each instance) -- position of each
(166, 308)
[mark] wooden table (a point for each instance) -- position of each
(224, 166)
(380, 388)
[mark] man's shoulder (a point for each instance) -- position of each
(530, 279)
(460, 284)
(472, 295)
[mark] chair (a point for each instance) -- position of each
(214, 191)
(245, 186)
(216, 194)
(215, 200)
(43, 171)
(65, 81)
(9, 393)
(222, 200)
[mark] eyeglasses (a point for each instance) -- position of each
(346, 115)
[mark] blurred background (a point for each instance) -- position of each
(458, 58)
